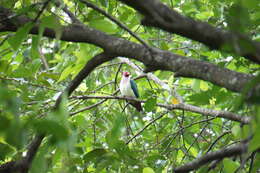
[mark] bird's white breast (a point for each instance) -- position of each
(125, 88)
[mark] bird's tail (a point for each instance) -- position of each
(137, 105)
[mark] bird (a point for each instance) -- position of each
(129, 88)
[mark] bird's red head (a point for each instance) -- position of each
(126, 74)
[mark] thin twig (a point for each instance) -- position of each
(41, 11)
(252, 157)
(28, 83)
(216, 140)
(43, 59)
(68, 12)
(185, 127)
(88, 107)
(121, 25)
(146, 126)
(196, 139)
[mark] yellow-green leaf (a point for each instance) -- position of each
(148, 170)
(229, 165)
(65, 73)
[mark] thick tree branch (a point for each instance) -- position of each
(163, 60)
(23, 165)
(181, 106)
(158, 15)
(89, 67)
(216, 155)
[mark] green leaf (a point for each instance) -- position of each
(196, 85)
(39, 163)
(236, 131)
(66, 72)
(251, 4)
(5, 150)
(20, 36)
(103, 25)
(156, 162)
(148, 170)
(150, 104)
(254, 143)
(203, 169)
(238, 18)
(51, 22)
(116, 132)
(50, 127)
(4, 122)
(34, 49)
(94, 155)
(229, 165)
(256, 165)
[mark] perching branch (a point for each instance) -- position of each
(182, 106)
(158, 15)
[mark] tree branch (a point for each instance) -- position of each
(23, 165)
(216, 155)
(216, 140)
(158, 15)
(121, 25)
(163, 60)
(68, 12)
(182, 106)
(89, 67)
(145, 127)
(41, 11)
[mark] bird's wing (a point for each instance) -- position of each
(134, 88)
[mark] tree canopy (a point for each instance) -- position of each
(196, 64)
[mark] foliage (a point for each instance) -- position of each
(34, 70)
